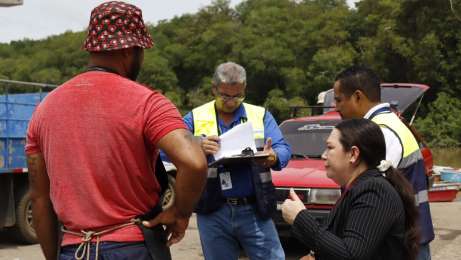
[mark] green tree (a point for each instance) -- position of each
(200, 94)
(157, 73)
(49, 75)
(281, 107)
(292, 50)
(442, 127)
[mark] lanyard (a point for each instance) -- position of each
(242, 120)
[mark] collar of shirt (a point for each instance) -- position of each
(375, 108)
(239, 113)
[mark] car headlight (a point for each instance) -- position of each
(324, 196)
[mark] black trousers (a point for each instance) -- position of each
(110, 250)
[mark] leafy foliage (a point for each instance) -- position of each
(442, 126)
(292, 50)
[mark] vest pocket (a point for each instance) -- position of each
(211, 198)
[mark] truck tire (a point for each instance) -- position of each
(169, 196)
(23, 230)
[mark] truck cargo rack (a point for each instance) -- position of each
(18, 100)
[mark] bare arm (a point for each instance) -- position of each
(185, 153)
(44, 217)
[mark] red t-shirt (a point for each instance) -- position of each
(98, 134)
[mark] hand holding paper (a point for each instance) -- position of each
(271, 159)
(234, 141)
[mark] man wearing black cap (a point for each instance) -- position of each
(92, 145)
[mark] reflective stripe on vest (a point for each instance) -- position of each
(205, 119)
(412, 164)
(411, 151)
(411, 159)
(421, 197)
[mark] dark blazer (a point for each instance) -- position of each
(368, 222)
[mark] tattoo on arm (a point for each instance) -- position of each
(38, 178)
(32, 164)
(194, 139)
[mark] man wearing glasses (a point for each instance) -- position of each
(238, 201)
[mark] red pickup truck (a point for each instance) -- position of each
(307, 135)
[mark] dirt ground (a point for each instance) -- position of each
(447, 243)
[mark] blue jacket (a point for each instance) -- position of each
(247, 180)
(241, 179)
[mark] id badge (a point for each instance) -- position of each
(226, 181)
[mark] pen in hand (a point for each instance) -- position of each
(210, 144)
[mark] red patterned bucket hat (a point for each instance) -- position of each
(116, 25)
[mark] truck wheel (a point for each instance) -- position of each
(24, 230)
(169, 196)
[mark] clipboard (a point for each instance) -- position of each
(237, 159)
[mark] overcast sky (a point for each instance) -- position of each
(37, 19)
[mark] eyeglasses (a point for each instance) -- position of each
(226, 97)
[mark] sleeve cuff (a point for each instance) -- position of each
(305, 227)
(169, 129)
(277, 166)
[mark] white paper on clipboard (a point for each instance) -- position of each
(235, 140)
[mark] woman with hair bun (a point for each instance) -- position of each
(375, 217)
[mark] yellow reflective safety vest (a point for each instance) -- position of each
(205, 119)
(410, 148)
(205, 122)
(412, 165)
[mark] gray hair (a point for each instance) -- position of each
(229, 73)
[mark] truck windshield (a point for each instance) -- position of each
(307, 138)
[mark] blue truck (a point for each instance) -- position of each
(17, 103)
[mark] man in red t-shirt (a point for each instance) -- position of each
(92, 145)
